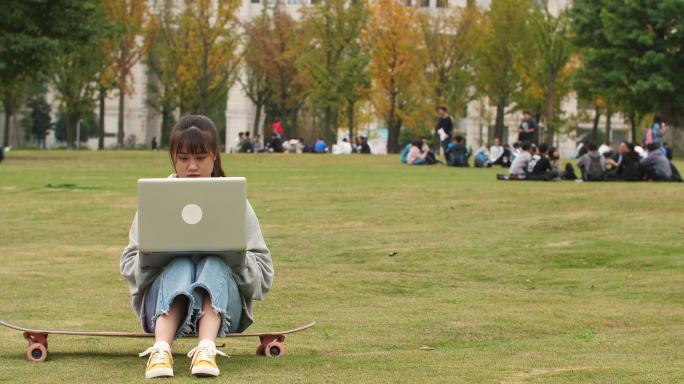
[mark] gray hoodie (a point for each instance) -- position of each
(254, 280)
(658, 164)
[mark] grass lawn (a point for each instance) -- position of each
(505, 281)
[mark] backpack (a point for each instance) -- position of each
(404, 155)
(595, 170)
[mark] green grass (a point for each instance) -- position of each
(506, 281)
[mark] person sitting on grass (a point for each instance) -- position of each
(518, 170)
(656, 166)
(196, 294)
(505, 159)
(320, 146)
(482, 158)
(515, 151)
(430, 156)
(496, 152)
(592, 164)
(456, 153)
(626, 167)
(415, 155)
(543, 169)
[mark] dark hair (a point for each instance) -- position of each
(442, 108)
(418, 143)
(551, 151)
(657, 119)
(652, 147)
(526, 146)
(630, 146)
(516, 145)
(591, 146)
(543, 148)
(526, 113)
(459, 138)
(196, 134)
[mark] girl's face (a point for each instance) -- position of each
(194, 165)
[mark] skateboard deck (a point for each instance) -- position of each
(272, 344)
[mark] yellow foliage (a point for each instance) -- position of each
(397, 51)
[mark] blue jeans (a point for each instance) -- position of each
(194, 278)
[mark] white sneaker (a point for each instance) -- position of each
(204, 360)
(160, 363)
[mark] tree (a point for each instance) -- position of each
(394, 42)
(202, 47)
(203, 40)
(503, 44)
(546, 77)
(255, 82)
(30, 31)
(633, 50)
(12, 94)
(163, 87)
(281, 45)
(126, 48)
(38, 121)
(334, 61)
(451, 37)
(77, 66)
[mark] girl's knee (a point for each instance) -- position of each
(180, 263)
(215, 262)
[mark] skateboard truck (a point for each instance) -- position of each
(37, 346)
(271, 345)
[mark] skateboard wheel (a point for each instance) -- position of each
(36, 352)
(274, 349)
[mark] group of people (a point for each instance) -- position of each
(278, 144)
(630, 163)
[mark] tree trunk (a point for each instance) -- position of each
(609, 115)
(8, 115)
(632, 123)
(350, 120)
(597, 117)
(393, 136)
(101, 128)
(70, 130)
(165, 126)
(499, 122)
(550, 112)
(257, 118)
(120, 132)
(329, 132)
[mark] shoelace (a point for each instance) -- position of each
(204, 353)
(157, 358)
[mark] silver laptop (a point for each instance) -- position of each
(192, 217)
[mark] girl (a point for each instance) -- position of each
(196, 295)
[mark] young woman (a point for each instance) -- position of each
(198, 295)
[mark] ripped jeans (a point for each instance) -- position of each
(194, 278)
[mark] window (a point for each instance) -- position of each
(424, 3)
(256, 1)
(409, 3)
(442, 3)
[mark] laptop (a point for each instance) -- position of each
(192, 217)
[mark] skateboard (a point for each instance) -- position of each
(272, 344)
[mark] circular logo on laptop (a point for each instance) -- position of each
(192, 214)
